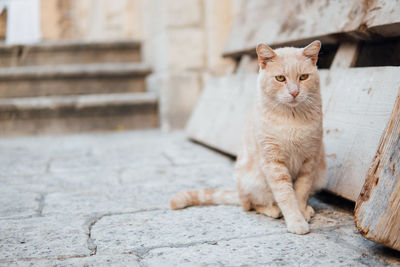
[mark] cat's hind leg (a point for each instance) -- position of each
(271, 211)
(308, 213)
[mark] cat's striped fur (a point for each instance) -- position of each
(282, 159)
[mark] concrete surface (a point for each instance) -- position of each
(102, 200)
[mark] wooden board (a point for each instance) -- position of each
(222, 109)
(346, 55)
(357, 104)
(290, 22)
(377, 212)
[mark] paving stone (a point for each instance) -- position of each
(54, 187)
(135, 232)
(282, 249)
(62, 181)
(350, 235)
(207, 175)
(149, 189)
(43, 237)
(104, 201)
(26, 204)
(18, 160)
(140, 231)
(109, 260)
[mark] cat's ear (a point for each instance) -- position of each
(311, 51)
(265, 54)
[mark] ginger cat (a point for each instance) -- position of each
(282, 158)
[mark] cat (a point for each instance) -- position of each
(282, 160)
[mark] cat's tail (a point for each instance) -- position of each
(204, 197)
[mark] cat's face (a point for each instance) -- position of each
(289, 75)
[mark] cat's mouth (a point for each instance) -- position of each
(293, 102)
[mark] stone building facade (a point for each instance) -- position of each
(182, 41)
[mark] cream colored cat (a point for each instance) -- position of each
(282, 159)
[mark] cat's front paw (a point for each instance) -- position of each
(308, 213)
(299, 227)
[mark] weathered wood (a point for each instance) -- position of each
(377, 212)
(357, 104)
(298, 22)
(346, 55)
(221, 112)
(247, 64)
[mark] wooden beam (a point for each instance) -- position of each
(221, 112)
(346, 55)
(283, 23)
(377, 212)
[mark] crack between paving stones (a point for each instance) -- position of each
(142, 253)
(119, 176)
(62, 257)
(168, 158)
(41, 203)
(365, 257)
(91, 245)
(48, 165)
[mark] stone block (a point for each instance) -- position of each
(282, 249)
(217, 24)
(185, 49)
(184, 13)
(26, 204)
(90, 261)
(43, 237)
(178, 95)
(144, 230)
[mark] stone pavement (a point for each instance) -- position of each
(102, 200)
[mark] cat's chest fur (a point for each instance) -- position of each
(294, 141)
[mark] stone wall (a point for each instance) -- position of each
(91, 19)
(182, 41)
(3, 24)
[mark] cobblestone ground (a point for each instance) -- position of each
(102, 200)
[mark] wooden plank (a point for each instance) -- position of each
(346, 55)
(357, 103)
(247, 64)
(298, 22)
(222, 109)
(377, 212)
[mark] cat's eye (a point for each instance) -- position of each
(303, 77)
(280, 78)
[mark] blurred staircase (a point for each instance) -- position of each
(65, 87)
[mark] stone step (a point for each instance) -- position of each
(34, 81)
(80, 113)
(69, 52)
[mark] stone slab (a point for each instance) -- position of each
(69, 52)
(89, 261)
(102, 199)
(72, 79)
(27, 204)
(43, 237)
(152, 229)
(269, 250)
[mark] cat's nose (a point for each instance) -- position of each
(294, 93)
